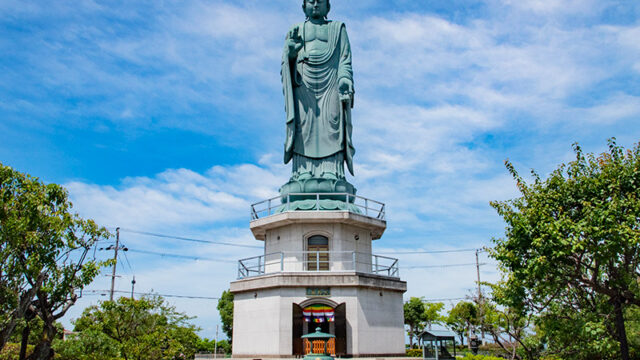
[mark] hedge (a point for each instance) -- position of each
(414, 353)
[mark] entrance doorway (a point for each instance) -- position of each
(329, 319)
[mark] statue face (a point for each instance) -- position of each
(316, 9)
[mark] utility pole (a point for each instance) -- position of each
(115, 263)
(480, 299)
(215, 347)
(133, 285)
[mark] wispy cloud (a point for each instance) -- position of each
(177, 198)
(442, 98)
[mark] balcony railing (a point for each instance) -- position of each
(319, 262)
(367, 207)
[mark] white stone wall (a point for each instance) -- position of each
(263, 322)
(291, 240)
(263, 306)
(255, 323)
(380, 322)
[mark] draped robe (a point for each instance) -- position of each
(318, 120)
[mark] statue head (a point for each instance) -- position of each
(316, 9)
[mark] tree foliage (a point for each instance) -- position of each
(131, 329)
(225, 308)
(209, 346)
(572, 251)
(43, 256)
(419, 315)
(462, 317)
(511, 329)
(432, 314)
(90, 344)
(414, 317)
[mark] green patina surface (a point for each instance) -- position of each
(317, 80)
(305, 205)
(318, 335)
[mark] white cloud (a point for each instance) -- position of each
(177, 198)
(628, 40)
(491, 66)
(555, 8)
(429, 90)
(618, 107)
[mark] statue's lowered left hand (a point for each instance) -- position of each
(345, 86)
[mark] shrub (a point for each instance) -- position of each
(414, 353)
(481, 357)
(11, 351)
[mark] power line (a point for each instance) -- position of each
(431, 251)
(151, 293)
(201, 258)
(120, 260)
(189, 239)
(439, 266)
(146, 233)
(197, 258)
(441, 300)
(128, 263)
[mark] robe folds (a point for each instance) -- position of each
(318, 120)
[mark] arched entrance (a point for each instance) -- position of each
(326, 314)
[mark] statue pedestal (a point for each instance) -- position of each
(361, 291)
(315, 185)
(318, 194)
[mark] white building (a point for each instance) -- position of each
(318, 271)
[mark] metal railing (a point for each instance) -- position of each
(318, 261)
(278, 204)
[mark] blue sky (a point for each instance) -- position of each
(167, 117)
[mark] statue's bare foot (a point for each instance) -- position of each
(304, 176)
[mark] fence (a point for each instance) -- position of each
(364, 206)
(318, 261)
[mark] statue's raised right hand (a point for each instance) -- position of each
(294, 42)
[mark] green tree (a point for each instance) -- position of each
(31, 331)
(572, 246)
(225, 345)
(432, 314)
(510, 328)
(90, 344)
(43, 256)
(141, 329)
(209, 346)
(633, 329)
(461, 318)
(414, 317)
(225, 308)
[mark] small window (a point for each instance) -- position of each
(318, 253)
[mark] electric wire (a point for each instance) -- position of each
(152, 293)
(432, 251)
(188, 239)
(128, 263)
(126, 257)
(120, 261)
(440, 266)
(441, 300)
(196, 258)
(200, 258)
